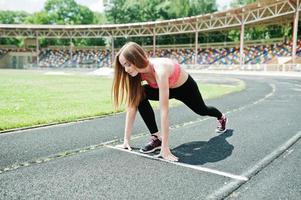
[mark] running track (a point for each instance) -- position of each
(257, 158)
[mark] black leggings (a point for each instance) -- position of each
(188, 93)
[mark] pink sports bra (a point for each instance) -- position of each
(173, 78)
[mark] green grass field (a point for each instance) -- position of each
(30, 98)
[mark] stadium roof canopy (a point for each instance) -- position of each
(262, 12)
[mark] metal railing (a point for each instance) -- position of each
(250, 67)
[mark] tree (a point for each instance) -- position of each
(12, 17)
(198, 7)
(115, 12)
(129, 11)
(67, 12)
(237, 3)
(100, 18)
(38, 18)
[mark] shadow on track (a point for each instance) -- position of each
(201, 152)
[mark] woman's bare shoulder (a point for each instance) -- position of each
(162, 63)
(161, 60)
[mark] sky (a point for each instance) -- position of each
(32, 6)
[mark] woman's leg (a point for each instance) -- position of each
(145, 109)
(147, 113)
(190, 95)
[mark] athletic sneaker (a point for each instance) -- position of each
(152, 145)
(221, 127)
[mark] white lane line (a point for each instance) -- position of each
(228, 189)
(199, 168)
(272, 156)
(297, 89)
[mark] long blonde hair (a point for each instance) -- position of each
(125, 86)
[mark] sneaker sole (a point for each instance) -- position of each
(217, 131)
(150, 151)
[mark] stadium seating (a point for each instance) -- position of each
(253, 54)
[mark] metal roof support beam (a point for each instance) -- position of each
(295, 32)
(37, 50)
(154, 42)
(112, 50)
(196, 47)
(242, 36)
(264, 12)
(70, 50)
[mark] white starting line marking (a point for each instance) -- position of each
(199, 168)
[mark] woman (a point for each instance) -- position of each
(165, 80)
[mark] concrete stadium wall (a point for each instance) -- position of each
(17, 60)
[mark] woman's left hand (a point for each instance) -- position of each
(125, 145)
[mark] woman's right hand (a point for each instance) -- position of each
(166, 154)
(125, 145)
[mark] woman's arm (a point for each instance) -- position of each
(164, 108)
(129, 122)
(163, 83)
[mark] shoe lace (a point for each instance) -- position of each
(221, 122)
(153, 138)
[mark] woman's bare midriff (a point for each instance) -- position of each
(182, 79)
